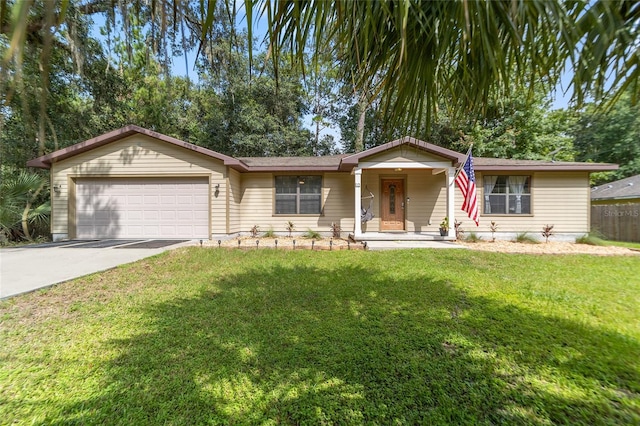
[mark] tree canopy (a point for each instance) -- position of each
(414, 54)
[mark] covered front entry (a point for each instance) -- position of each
(392, 205)
(415, 183)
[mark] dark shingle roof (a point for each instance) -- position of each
(342, 162)
(330, 162)
(485, 163)
(620, 189)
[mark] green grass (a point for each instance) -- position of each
(595, 240)
(622, 244)
(211, 336)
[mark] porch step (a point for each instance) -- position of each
(397, 245)
(399, 236)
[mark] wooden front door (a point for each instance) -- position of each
(392, 205)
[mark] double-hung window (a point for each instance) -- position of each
(298, 194)
(507, 195)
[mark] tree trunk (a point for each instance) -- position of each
(25, 213)
(362, 111)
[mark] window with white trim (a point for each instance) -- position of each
(298, 194)
(507, 195)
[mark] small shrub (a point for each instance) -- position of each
(459, 231)
(290, 227)
(270, 233)
(493, 227)
(547, 231)
(311, 234)
(336, 229)
(473, 238)
(254, 231)
(525, 238)
(591, 240)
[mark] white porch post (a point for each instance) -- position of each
(358, 201)
(451, 207)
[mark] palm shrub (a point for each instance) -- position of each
(525, 238)
(473, 238)
(270, 233)
(592, 240)
(311, 234)
(22, 204)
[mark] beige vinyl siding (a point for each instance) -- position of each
(257, 205)
(234, 201)
(405, 154)
(560, 199)
(339, 201)
(137, 155)
(428, 194)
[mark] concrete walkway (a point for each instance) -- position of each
(396, 245)
(24, 269)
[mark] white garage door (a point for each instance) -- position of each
(142, 208)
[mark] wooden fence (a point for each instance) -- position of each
(618, 222)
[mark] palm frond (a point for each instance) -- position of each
(416, 54)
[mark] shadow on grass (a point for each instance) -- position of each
(295, 345)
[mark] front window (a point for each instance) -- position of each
(507, 195)
(298, 194)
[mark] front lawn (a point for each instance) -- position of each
(213, 336)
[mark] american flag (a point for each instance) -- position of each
(466, 181)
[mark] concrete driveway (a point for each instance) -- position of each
(28, 268)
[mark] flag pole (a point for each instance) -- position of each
(463, 163)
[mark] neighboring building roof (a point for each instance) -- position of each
(619, 190)
(342, 162)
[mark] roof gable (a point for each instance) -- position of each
(45, 161)
(418, 148)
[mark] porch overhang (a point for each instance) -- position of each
(436, 167)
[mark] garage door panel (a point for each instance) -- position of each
(142, 208)
(135, 215)
(168, 200)
(170, 231)
(168, 215)
(199, 216)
